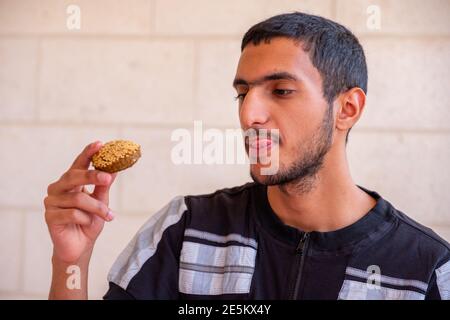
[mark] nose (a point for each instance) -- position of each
(254, 110)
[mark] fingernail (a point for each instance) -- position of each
(96, 144)
(109, 216)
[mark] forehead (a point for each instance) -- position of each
(279, 55)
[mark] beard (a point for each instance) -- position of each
(301, 174)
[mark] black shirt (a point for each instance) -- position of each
(231, 245)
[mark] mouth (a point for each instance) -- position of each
(260, 144)
(262, 141)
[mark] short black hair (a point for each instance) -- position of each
(333, 49)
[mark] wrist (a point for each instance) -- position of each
(82, 260)
(70, 278)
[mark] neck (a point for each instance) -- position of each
(333, 201)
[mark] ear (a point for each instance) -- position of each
(350, 107)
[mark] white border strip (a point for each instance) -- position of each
(389, 280)
(221, 239)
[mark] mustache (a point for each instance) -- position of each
(253, 134)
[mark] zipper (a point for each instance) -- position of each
(301, 250)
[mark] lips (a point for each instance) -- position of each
(261, 140)
(260, 144)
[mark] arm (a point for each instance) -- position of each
(59, 289)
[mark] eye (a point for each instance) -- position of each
(240, 96)
(282, 92)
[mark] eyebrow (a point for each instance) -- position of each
(269, 77)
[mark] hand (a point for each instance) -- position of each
(74, 216)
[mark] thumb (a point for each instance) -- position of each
(101, 193)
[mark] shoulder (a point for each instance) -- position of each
(224, 211)
(423, 235)
(228, 197)
(423, 247)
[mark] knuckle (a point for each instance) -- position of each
(46, 202)
(90, 176)
(50, 187)
(69, 175)
(77, 199)
(93, 176)
(72, 214)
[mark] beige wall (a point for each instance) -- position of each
(138, 69)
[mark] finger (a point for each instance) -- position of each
(81, 201)
(102, 192)
(67, 216)
(83, 160)
(76, 178)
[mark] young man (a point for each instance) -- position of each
(305, 232)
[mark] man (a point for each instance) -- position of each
(304, 232)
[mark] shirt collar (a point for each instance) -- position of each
(372, 225)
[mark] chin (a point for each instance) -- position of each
(255, 173)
